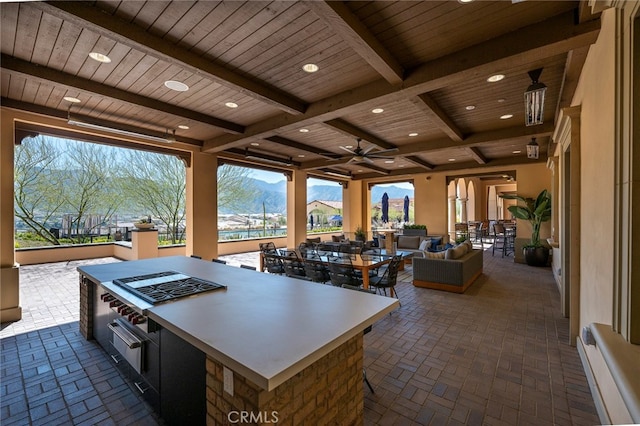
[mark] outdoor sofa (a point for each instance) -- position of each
(455, 273)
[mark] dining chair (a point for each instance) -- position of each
(273, 263)
(341, 272)
(293, 265)
(389, 278)
(305, 249)
(315, 269)
(499, 239)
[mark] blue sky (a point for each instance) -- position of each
(272, 177)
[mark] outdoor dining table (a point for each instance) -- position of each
(362, 262)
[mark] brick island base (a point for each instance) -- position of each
(330, 391)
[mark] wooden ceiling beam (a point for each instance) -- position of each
(474, 140)
(478, 139)
(301, 146)
(114, 28)
(519, 48)
(437, 116)
(376, 169)
(339, 18)
(420, 162)
(350, 130)
(471, 165)
(477, 154)
(48, 75)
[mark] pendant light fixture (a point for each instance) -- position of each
(534, 99)
(533, 149)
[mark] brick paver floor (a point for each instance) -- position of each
(496, 355)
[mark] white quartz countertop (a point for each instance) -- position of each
(266, 328)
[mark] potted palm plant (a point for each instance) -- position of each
(536, 212)
(360, 234)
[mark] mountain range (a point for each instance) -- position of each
(274, 195)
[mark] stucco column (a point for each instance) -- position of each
(452, 217)
(354, 212)
(10, 309)
(202, 206)
(463, 210)
(296, 208)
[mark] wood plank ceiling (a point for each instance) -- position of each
(424, 63)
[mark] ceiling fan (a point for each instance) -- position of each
(365, 155)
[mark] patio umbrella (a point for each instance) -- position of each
(385, 208)
(311, 220)
(406, 208)
(335, 218)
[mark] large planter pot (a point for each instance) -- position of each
(536, 256)
(413, 232)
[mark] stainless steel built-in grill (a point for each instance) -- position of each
(164, 286)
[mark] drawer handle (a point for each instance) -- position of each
(113, 357)
(140, 387)
(125, 335)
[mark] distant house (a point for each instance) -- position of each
(322, 211)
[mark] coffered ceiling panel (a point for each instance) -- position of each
(425, 63)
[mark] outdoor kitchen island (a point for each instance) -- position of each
(263, 349)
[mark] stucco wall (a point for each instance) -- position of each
(595, 94)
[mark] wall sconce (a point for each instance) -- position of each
(533, 149)
(534, 99)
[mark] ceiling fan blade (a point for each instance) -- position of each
(348, 150)
(367, 160)
(385, 151)
(368, 149)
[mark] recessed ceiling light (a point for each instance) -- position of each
(377, 110)
(401, 165)
(72, 99)
(359, 170)
(255, 144)
(470, 107)
(501, 100)
(300, 155)
(183, 127)
(388, 161)
(464, 1)
(178, 86)
(516, 152)
(506, 116)
(348, 146)
(304, 130)
(452, 159)
(494, 78)
(100, 57)
(310, 67)
(231, 104)
(413, 134)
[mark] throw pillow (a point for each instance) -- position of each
(456, 252)
(469, 245)
(410, 242)
(424, 245)
(434, 255)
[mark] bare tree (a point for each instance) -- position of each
(37, 185)
(89, 189)
(157, 184)
(234, 187)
